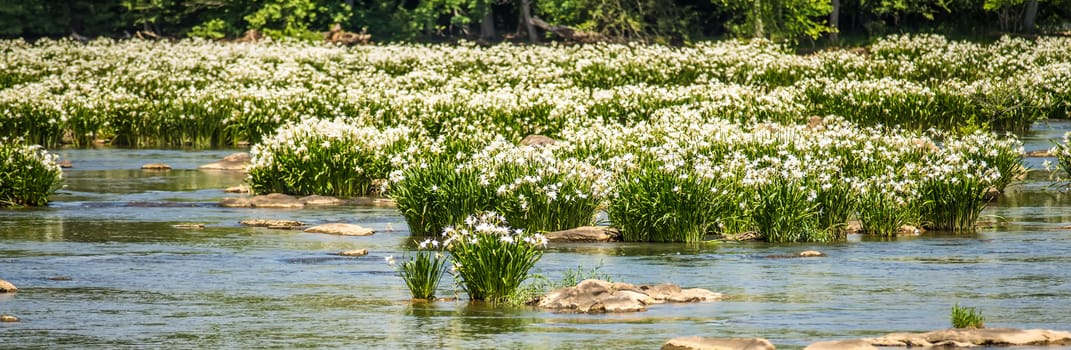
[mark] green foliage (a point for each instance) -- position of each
(28, 174)
(492, 260)
(653, 20)
(967, 317)
(779, 20)
(423, 272)
(787, 211)
(297, 18)
(212, 29)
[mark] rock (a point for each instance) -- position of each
(584, 234)
(320, 200)
(910, 230)
(236, 202)
(271, 223)
(8, 318)
(816, 123)
(236, 189)
(234, 162)
(1038, 153)
(276, 200)
(975, 337)
(595, 296)
(744, 236)
(189, 226)
(851, 344)
(341, 229)
(992, 193)
(373, 201)
(156, 166)
(7, 287)
(672, 293)
(854, 226)
(810, 254)
(60, 278)
(355, 252)
(66, 163)
(700, 343)
(537, 141)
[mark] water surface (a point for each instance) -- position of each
(102, 267)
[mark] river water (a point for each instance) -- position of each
(102, 267)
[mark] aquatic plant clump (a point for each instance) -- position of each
(967, 317)
(28, 174)
(491, 259)
(423, 272)
(325, 157)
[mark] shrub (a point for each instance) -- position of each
(28, 174)
(491, 259)
(967, 317)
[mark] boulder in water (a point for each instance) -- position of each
(701, 343)
(341, 229)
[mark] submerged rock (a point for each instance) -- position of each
(320, 200)
(276, 200)
(234, 162)
(974, 337)
(271, 223)
(537, 140)
(597, 296)
(1037, 153)
(700, 343)
(341, 229)
(189, 226)
(156, 166)
(66, 163)
(810, 254)
(7, 287)
(851, 344)
(236, 202)
(355, 252)
(8, 318)
(585, 234)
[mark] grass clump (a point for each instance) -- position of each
(423, 271)
(28, 174)
(967, 317)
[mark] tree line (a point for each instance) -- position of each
(666, 21)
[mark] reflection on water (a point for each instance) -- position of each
(103, 266)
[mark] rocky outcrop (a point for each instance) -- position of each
(967, 337)
(341, 229)
(276, 200)
(7, 287)
(270, 223)
(851, 344)
(585, 234)
(234, 162)
(320, 200)
(700, 343)
(355, 252)
(537, 141)
(597, 296)
(156, 166)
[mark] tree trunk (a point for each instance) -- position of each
(1030, 17)
(834, 22)
(526, 16)
(487, 25)
(757, 14)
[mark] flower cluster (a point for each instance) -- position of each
(28, 173)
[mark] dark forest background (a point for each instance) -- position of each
(662, 21)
